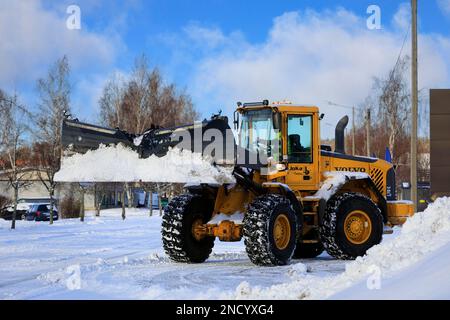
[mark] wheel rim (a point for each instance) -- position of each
(282, 231)
(195, 226)
(357, 227)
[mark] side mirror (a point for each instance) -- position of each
(236, 120)
(276, 119)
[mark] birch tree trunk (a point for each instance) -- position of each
(82, 211)
(129, 195)
(52, 192)
(159, 200)
(98, 199)
(123, 205)
(16, 195)
(150, 202)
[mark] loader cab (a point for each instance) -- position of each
(287, 136)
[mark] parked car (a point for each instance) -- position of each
(7, 212)
(41, 212)
(23, 206)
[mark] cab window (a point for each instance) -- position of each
(299, 139)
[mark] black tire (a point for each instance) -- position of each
(258, 230)
(308, 250)
(178, 240)
(332, 233)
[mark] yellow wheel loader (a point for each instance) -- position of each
(292, 198)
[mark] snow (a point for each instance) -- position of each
(334, 179)
(237, 217)
(115, 259)
(428, 279)
(421, 235)
(401, 202)
(122, 164)
(107, 258)
(138, 140)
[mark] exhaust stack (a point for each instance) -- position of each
(339, 135)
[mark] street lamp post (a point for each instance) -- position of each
(368, 131)
(353, 130)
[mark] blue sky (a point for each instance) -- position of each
(223, 51)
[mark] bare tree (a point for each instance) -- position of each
(149, 188)
(390, 97)
(54, 102)
(83, 189)
(13, 127)
(142, 101)
(111, 113)
(394, 102)
(99, 195)
(123, 205)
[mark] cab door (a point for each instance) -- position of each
(301, 153)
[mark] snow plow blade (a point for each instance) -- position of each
(80, 137)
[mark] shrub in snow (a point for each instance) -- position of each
(69, 207)
(4, 201)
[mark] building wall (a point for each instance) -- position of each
(440, 142)
(35, 190)
(112, 193)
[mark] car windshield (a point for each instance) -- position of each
(44, 208)
(257, 134)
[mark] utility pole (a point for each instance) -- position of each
(368, 131)
(414, 96)
(353, 130)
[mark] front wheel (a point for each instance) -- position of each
(270, 230)
(181, 215)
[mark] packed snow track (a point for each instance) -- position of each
(117, 259)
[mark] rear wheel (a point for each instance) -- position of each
(181, 216)
(270, 230)
(351, 225)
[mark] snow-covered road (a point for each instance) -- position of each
(107, 258)
(124, 260)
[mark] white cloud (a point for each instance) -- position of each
(312, 57)
(33, 37)
(402, 18)
(209, 37)
(445, 6)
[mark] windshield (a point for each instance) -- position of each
(256, 133)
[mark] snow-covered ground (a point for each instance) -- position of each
(123, 260)
(107, 258)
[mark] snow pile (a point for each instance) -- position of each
(428, 279)
(333, 180)
(421, 235)
(122, 164)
